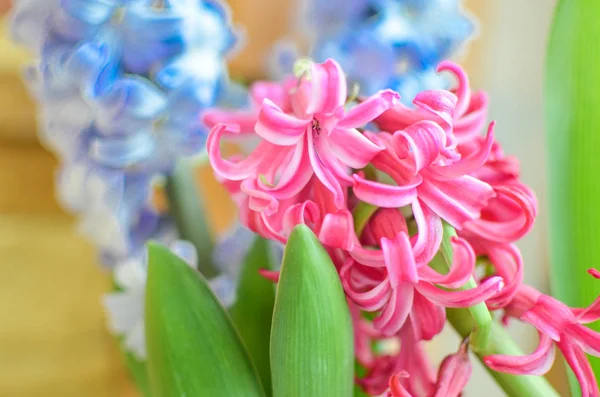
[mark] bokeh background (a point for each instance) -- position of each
(53, 340)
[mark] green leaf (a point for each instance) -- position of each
(138, 372)
(572, 103)
(186, 207)
(312, 350)
(253, 310)
(193, 346)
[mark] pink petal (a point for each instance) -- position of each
(279, 128)
(366, 111)
(226, 169)
(337, 230)
(399, 260)
(278, 93)
(454, 374)
(537, 363)
(588, 339)
(244, 119)
(466, 165)
(259, 201)
(396, 311)
(328, 88)
(509, 265)
(368, 257)
(383, 195)
(438, 102)
(468, 126)
(463, 265)
(456, 201)
(387, 222)
(352, 148)
(421, 142)
(306, 213)
(370, 300)
(396, 388)
(428, 239)
(466, 298)
(325, 175)
(272, 275)
(427, 318)
(506, 231)
(331, 161)
(294, 174)
(463, 91)
(580, 365)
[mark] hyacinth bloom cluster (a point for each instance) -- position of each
(381, 43)
(381, 184)
(119, 89)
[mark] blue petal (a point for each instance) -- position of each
(122, 151)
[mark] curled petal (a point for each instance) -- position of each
(463, 91)
(368, 257)
(458, 299)
(463, 264)
(383, 195)
(508, 264)
(580, 365)
(492, 225)
(276, 92)
(337, 230)
(438, 102)
(396, 311)
(370, 300)
(368, 110)
(352, 148)
(306, 213)
(399, 260)
(226, 169)
(331, 161)
(328, 88)
(421, 142)
(426, 242)
(279, 128)
(469, 125)
(467, 165)
(537, 363)
(456, 201)
(258, 200)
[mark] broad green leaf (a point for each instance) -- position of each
(186, 207)
(139, 373)
(253, 310)
(193, 346)
(572, 101)
(312, 350)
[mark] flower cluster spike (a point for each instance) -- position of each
(381, 43)
(326, 160)
(120, 84)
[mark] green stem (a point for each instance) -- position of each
(501, 343)
(187, 208)
(481, 317)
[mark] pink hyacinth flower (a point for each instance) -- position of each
(453, 376)
(315, 136)
(557, 325)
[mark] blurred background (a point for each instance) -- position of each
(53, 340)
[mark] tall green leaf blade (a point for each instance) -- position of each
(572, 101)
(187, 208)
(312, 350)
(253, 310)
(193, 346)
